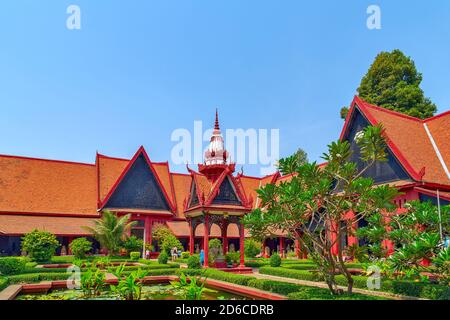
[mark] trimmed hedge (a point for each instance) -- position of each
(311, 293)
(37, 277)
(274, 286)
(289, 273)
(12, 265)
(415, 289)
(4, 282)
(218, 275)
(256, 264)
(157, 272)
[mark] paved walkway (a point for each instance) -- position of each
(324, 285)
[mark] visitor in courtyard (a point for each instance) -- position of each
(202, 257)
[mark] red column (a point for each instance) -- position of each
(333, 238)
(297, 248)
(281, 247)
(191, 238)
(148, 230)
(225, 238)
(69, 241)
(241, 245)
(206, 241)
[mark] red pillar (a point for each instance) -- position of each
(225, 238)
(206, 241)
(281, 247)
(191, 238)
(297, 248)
(69, 241)
(241, 245)
(148, 230)
(333, 238)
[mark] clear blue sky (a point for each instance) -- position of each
(137, 70)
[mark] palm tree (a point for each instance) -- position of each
(110, 230)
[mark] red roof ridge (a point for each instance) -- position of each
(443, 114)
(113, 158)
(48, 160)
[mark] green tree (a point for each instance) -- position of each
(40, 245)
(312, 206)
(132, 243)
(79, 247)
(288, 165)
(111, 230)
(393, 82)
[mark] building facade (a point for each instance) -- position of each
(61, 197)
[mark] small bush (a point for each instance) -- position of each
(193, 262)
(79, 247)
(135, 255)
(169, 242)
(132, 244)
(232, 257)
(185, 255)
(40, 245)
(275, 260)
(252, 248)
(163, 258)
(12, 265)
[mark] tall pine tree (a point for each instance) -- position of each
(393, 82)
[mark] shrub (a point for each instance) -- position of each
(255, 264)
(3, 283)
(252, 248)
(275, 260)
(40, 245)
(232, 257)
(274, 286)
(169, 242)
(288, 273)
(193, 262)
(163, 258)
(135, 255)
(12, 265)
(132, 243)
(79, 247)
(185, 255)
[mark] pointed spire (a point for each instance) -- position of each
(216, 124)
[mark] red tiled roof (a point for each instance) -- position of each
(67, 226)
(408, 140)
(109, 171)
(46, 186)
(182, 183)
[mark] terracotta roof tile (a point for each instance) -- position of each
(109, 171)
(21, 224)
(409, 136)
(46, 186)
(182, 183)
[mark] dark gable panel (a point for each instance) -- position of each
(381, 172)
(194, 196)
(226, 194)
(139, 189)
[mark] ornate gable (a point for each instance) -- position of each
(138, 188)
(226, 194)
(390, 170)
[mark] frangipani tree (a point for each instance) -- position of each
(312, 205)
